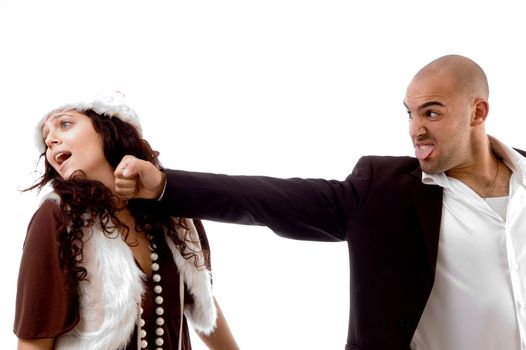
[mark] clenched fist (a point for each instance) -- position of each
(136, 178)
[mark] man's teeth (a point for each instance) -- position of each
(423, 151)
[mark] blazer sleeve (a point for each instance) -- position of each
(305, 209)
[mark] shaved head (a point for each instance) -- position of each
(468, 77)
(447, 102)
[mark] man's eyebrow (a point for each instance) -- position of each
(427, 104)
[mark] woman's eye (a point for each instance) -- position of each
(64, 124)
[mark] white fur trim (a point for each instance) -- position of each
(114, 286)
(202, 314)
(111, 105)
(108, 298)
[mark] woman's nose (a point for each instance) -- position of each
(51, 139)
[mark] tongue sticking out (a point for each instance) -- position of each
(423, 151)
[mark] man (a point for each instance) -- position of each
(436, 242)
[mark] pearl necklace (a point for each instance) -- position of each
(142, 343)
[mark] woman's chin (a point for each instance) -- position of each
(72, 174)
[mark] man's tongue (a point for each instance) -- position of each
(422, 152)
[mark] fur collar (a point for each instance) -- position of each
(109, 299)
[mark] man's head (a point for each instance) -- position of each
(447, 103)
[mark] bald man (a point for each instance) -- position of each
(437, 242)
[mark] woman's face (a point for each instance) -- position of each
(73, 144)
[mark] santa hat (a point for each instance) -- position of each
(111, 105)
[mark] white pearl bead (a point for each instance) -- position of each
(158, 300)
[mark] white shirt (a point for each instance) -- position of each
(478, 300)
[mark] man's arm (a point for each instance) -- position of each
(307, 209)
(293, 208)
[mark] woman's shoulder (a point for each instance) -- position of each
(50, 203)
(45, 305)
(47, 218)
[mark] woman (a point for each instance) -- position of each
(97, 271)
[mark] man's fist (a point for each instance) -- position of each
(136, 178)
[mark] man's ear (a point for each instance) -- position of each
(480, 111)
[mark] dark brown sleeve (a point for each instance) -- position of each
(45, 306)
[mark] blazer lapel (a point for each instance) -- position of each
(428, 204)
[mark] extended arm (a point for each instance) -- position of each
(294, 208)
(309, 209)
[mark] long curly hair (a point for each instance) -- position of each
(85, 202)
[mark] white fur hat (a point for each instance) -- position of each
(111, 105)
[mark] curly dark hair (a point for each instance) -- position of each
(81, 196)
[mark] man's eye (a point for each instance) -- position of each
(431, 114)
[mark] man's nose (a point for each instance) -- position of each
(416, 127)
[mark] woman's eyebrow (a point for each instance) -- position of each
(55, 116)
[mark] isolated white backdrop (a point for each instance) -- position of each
(283, 88)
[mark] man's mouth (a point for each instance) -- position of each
(61, 157)
(424, 150)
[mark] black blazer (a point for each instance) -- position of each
(389, 218)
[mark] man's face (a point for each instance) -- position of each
(439, 122)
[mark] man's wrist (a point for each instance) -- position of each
(165, 181)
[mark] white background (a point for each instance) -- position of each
(277, 87)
